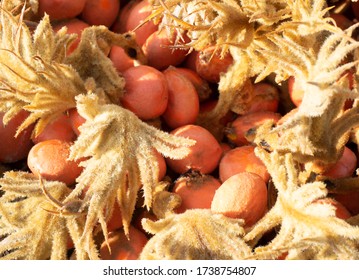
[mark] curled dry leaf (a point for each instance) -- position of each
(22, 8)
(320, 128)
(241, 28)
(29, 229)
(118, 148)
(96, 42)
(307, 230)
(285, 38)
(36, 75)
(196, 234)
(32, 75)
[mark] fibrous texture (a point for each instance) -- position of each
(284, 38)
(32, 76)
(120, 160)
(307, 230)
(208, 237)
(115, 147)
(28, 228)
(276, 39)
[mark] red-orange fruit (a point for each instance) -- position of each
(49, 159)
(243, 126)
(119, 26)
(344, 167)
(295, 92)
(162, 166)
(61, 9)
(200, 84)
(183, 101)
(123, 248)
(74, 26)
(121, 61)
(265, 98)
(242, 196)
(115, 221)
(203, 156)
(146, 92)
(133, 19)
(159, 51)
(210, 65)
(340, 211)
(100, 12)
(76, 120)
(60, 129)
(239, 160)
(350, 200)
(196, 191)
(13, 148)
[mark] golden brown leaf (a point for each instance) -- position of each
(118, 148)
(307, 230)
(29, 229)
(197, 234)
(32, 76)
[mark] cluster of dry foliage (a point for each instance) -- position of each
(278, 38)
